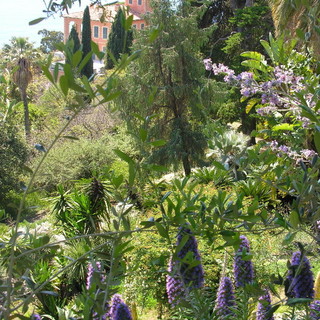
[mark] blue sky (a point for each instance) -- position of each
(16, 14)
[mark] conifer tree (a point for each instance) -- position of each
(169, 70)
(74, 38)
(120, 40)
(86, 42)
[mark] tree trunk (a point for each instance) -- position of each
(26, 114)
(186, 165)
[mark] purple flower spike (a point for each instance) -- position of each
(122, 312)
(300, 277)
(264, 306)
(92, 269)
(35, 317)
(225, 299)
(192, 277)
(182, 278)
(174, 284)
(243, 270)
(315, 310)
(115, 301)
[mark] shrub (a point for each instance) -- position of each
(13, 155)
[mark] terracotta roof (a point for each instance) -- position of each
(96, 12)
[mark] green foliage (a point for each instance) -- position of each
(120, 38)
(49, 40)
(162, 88)
(74, 43)
(86, 44)
(78, 159)
(13, 156)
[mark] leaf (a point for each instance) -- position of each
(154, 34)
(143, 134)
(36, 21)
(294, 219)
(251, 103)
(158, 168)
(283, 126)
(317, 140)
(50, 293)
(254, 55)
(64, 85)
(70, 137)
(288, 238)
(132, 173)
(162, 231)
(128, 23)
(47, 73)
(123, 156)
(254, 64)
(158, 143)
(293, 301)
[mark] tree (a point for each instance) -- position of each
(49, 40)
(120, 40)
(293, 15)
(86, 43)
(169, 72)
(74, 42)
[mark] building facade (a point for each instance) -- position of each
(102, 18)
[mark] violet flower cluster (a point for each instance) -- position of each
(275, 93)
(94, 269)
(305, 155)
(225, 302)
(264, 306)
(315, 310)
(243, 269)
(35, 317)
(174, 283)
(300, 277)
(118, 310)
(181, 278)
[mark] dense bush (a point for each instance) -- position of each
(76, 159)
(13, 156)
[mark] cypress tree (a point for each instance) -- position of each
(119, 41)
(74, 39)
(86, 43)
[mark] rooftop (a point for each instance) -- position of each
(106, 12)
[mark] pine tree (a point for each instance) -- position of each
(120, 40)
(86, 42)
(170, 71)
(74, 39)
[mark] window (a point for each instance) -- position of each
(130, 1)
(96, 32)
(142, 26)
(134, 26)
(139, 2)
(105, 33)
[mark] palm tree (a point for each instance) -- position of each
(22, 78)
(292, 15)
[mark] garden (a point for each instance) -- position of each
(180, 184)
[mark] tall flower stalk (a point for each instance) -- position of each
(243, 269)
(181, 277)
(225, 301)
(300, 277)
(264, 306)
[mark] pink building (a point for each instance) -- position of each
(100, 30)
